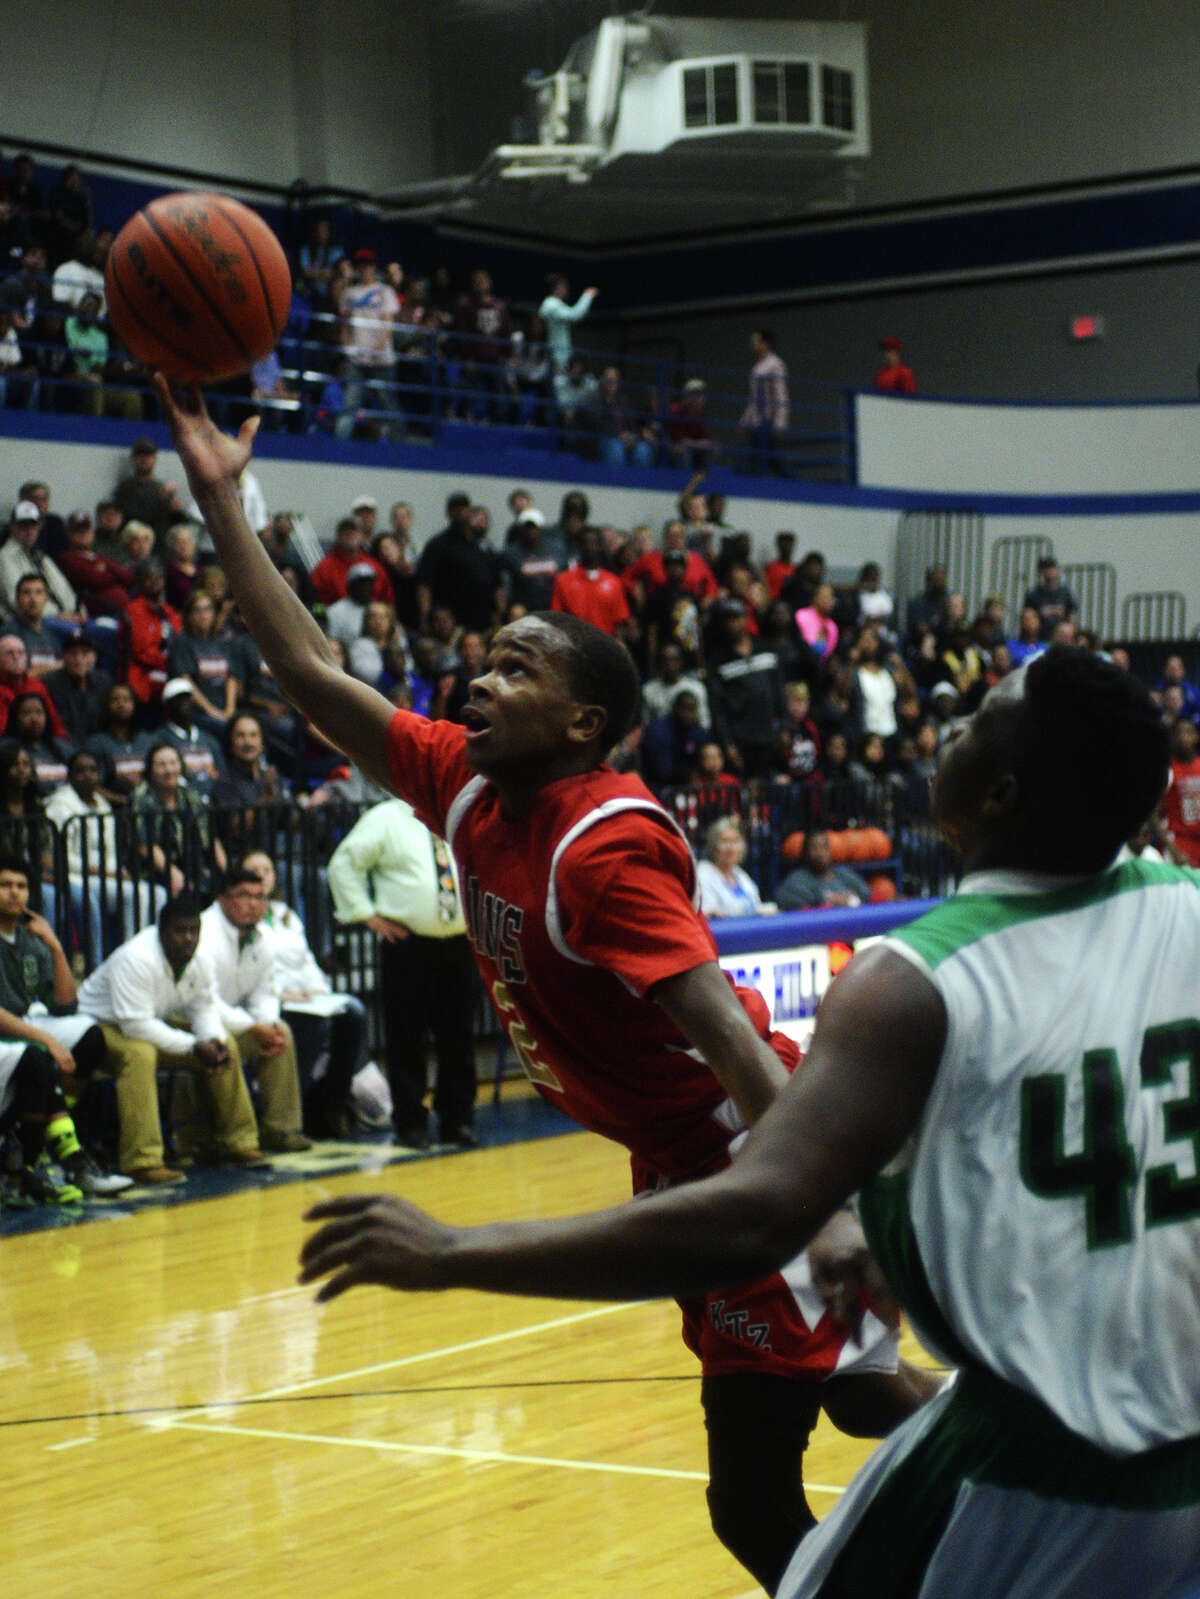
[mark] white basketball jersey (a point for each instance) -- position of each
(1052, 1191)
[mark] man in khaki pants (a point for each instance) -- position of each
(156, 1000)
(244, 969)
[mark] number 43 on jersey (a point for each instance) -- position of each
(1104, 1172)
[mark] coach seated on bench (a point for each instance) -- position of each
(156, 1000)
(245, 972)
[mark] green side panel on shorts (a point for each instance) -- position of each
(967, 918)
(993, 1433)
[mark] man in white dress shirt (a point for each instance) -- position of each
(249, 1006)
(391, 874)
(156, 1000)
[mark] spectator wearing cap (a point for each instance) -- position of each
(103, 585)
(79, 690)
(142, 497)
(558, 315)
(369, 311)
(345, 616)
(671, 615)
(329, 576)
(894, 376)
(689, 442)
(22, 555)
(15, 679)
(457, 572)
(649, 571)
(152, 624)
(365, 511)
(745, 693)
(532, 561)
(52, 539)
(202, 756)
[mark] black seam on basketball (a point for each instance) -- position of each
(262, 282)
(184, 355)
(197, 285)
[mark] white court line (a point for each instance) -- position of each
(71, 1443)
(495, 1456)
(435, 1354)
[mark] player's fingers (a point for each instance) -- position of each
(163, 389)
(335, 1247)
(339, 1284)
(248, 430)
(347, 1205)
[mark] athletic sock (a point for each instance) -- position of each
(60, 1138)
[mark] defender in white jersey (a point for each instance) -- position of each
(1014, 1084)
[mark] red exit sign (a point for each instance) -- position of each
(1086, 327)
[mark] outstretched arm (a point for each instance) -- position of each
(874, 1055)
(351, 715)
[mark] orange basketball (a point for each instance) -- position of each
(199, 286)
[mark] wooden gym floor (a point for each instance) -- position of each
(177, 1418)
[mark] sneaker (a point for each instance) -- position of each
(460, 1138)
(87, 1174)
(39, 1186)
(286, 1143)
(414, 1137)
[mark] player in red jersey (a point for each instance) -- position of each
(580, 900)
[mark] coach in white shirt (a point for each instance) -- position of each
(249, 1006)
(156, 1000)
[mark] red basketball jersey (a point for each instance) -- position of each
(574, 911)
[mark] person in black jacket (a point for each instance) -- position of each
(745, 694)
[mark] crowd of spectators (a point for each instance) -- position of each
(374, 349)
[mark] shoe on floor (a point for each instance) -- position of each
(416, 1137)
(246, 1159)
(155, 1176)
(286, 1143)
(41, 1186)
(87, 1174)
(460, 1138)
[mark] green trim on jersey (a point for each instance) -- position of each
(967, 918)
(993, 1433)
(887, 1222)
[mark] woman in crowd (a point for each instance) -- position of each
(329, 1029)
(182, 570)
(209, 661)
(817, 626)
(137, 541)
(120, 746)
(152, 625)
(726, 889)
(368, 652)
(24, 830)
(29, 726)
(174, 825)
(248, 783)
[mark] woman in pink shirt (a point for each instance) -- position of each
(816, 623)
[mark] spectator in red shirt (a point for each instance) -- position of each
(649, 572)
(586, 590)
(688, 440)
(1181, 803)
(777, 572)
(152, 625)
(15, 680)
(329, 575)
(102, 584)
(893, 376)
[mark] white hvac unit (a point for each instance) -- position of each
(688, 90)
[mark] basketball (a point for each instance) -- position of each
(198, 286)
